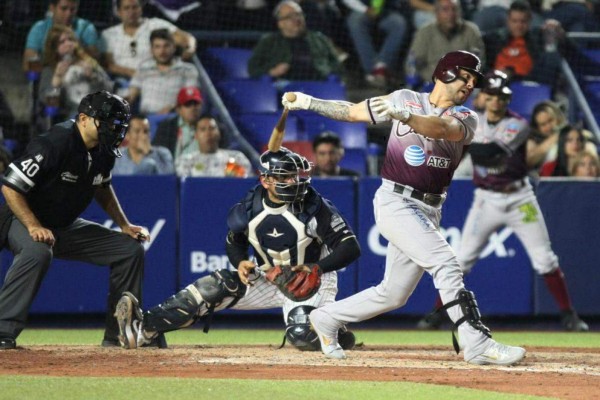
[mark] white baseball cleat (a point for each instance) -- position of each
(499, 354)
(128, 325)
(329, 342)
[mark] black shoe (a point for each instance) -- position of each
(7, 343)
(160, 341)
(110, 343)
(432, 322)
(346, 339)
(571, 322)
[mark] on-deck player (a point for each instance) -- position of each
(429, 133)
(504, 197)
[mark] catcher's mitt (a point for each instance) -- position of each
(295, 285)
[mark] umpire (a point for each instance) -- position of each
(46, 190)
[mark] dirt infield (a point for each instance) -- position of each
(559, 373)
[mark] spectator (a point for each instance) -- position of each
(126, 45)
(573, 15)
(546, 121)
(388, 19)
(208, 159)
(520, 50)
(490, 14)
(328, 151)
(326, 17)
(63, 12)
(585, 165)
(158, 80)
(69, 73)
(177, 133)
(140, 157)
(571, 142)
(293, 53)
(423, 12)
(448, 33)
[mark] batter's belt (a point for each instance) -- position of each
(434, 200)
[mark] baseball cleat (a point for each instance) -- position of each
(329, 343)
(571, 322)
(126, 313)
(499, 354)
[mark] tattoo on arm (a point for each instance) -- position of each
(338, 110)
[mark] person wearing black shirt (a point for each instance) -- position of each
(286, 222)
(328, 151)
(46, 189)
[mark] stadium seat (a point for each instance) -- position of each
(352, 135)
(155, 119)
(331, 89)
(225, 63)
(249, 96)
(356, 160)
(257, 128)
(526, 94)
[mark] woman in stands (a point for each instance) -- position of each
(69, 73)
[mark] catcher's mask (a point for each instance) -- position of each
(291, 172)
(111, 115)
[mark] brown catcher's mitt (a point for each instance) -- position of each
(296, 285)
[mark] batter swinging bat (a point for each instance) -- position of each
(279, 130)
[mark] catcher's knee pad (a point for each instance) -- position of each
(220, 286)
(178, 311)
(470, 309)
(298, 330)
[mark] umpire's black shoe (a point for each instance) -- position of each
(433, 322)
(571, 322)
(7, 343)
(110, 343)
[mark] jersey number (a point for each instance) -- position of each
(30, 168)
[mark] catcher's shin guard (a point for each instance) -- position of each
(468, 305)
(300, 334)
(178, 311)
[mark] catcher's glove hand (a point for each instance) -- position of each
(297, 283)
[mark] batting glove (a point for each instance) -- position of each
(302, 101)
(386, 109)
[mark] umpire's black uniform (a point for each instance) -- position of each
(58, 177)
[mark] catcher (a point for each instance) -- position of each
(299, 241)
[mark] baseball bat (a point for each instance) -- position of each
(278, 132)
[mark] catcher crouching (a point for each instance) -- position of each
(298, 238)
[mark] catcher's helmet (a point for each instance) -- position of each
(449, 65)
(298, 330)
(112, 114)
(293, 171)
(496, 83)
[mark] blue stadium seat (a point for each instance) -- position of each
(154, 120)
(356, 160)
(257, 128)
(526, 94)
(225, 63)
(331, 89)
(353, 135)
(249, 96)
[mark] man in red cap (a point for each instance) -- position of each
(177, 133)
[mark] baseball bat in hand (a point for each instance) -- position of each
(279, 131)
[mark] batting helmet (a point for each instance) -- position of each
(496, 83)
(112, 114)
(291, 170)
(449, 65)
(298, 330)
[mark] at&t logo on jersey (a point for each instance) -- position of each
(438, 162)
(414, 156)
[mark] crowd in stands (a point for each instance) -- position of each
(148, 58)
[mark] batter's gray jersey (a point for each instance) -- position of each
(423, 163)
